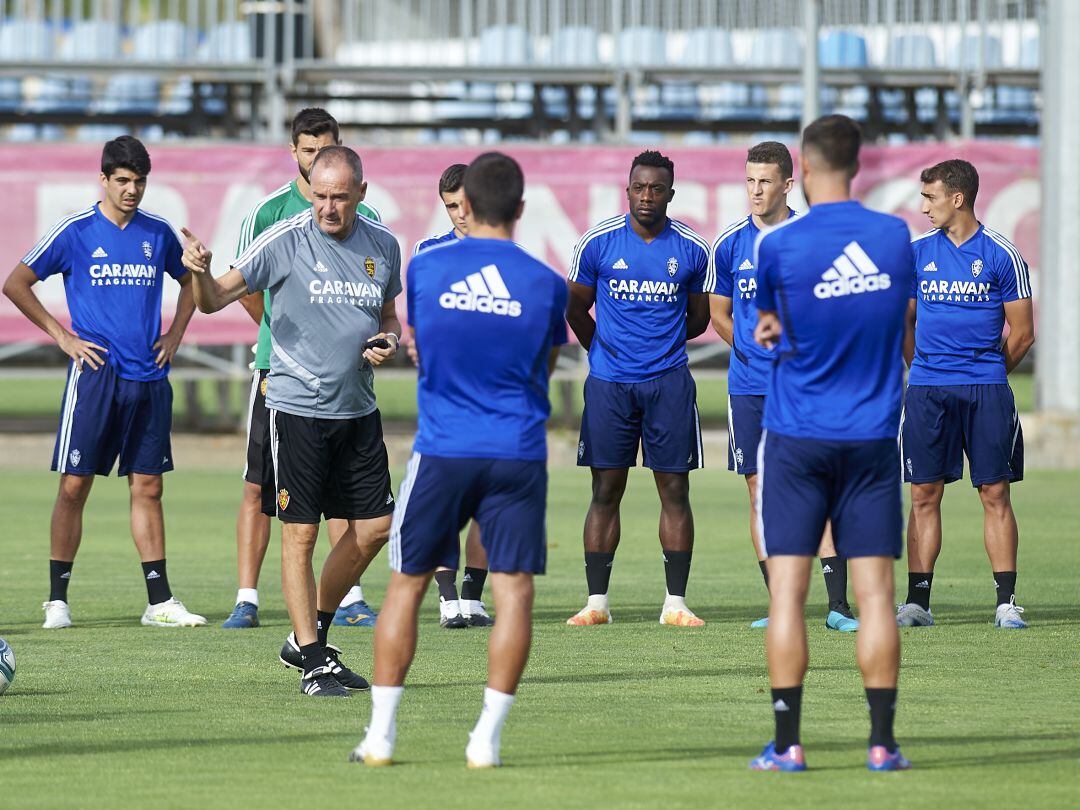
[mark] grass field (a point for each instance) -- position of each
(112, 714)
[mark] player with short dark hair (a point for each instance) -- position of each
(488, 319)
(333, 276)
(114, 257)
(969, 282)
(645, 273)
(733, 277)
(832, 289)
(312, 130)
(469, 609)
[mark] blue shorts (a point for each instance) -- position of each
(942, 422)
(104, 416)
(802, 483)
(661, 415)
(507, 498)
(744, 431)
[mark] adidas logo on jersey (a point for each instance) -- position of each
(481, 292)
(99, 254)
(746, 265)
(620, 265)
(320, 268)
(852, 273)
(930, 268)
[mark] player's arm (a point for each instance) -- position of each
(909, 332)
(578, 305)
(168, 344)
(768, 330)
(390, 325)
(254, 305)
(18, 288)
(211, 294)
(1021, 320)
(721, 309)
(697, 314)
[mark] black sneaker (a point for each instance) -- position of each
(480, 620)
(290, 654)
(322, 683)
(344, 676)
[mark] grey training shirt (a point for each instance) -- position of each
(326, 300)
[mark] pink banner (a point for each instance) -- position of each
(209, 188)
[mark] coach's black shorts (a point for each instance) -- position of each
(256, 427)
(335, 468)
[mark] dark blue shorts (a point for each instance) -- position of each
(661, 415)
(943, 422)
(103, 416)
(802, 483)
(744, 431)
(508, 500)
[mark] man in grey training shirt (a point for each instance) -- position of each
(332, 278)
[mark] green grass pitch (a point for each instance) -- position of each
(634, 715)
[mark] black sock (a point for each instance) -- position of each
(1005, 581)
(157, 582)
(598, 571)
(834, 569)
(314, 655)
(447, 588)
(787, 707)
(918, 588)
(472, 583)
(59, 577)
(882, 704)
(764, 572)
(677, 571)
(323, 621)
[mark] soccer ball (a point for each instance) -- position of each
(7, 666)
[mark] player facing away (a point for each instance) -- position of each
(645, 273)
(312, 129)
(732, 283)
(333, 277)
(469, 610)
(117, 403)
(488, 321)
(969, 281)
(832, 289)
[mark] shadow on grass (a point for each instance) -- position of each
(120, 746)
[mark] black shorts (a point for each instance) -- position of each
(335, 468)
(256, 427)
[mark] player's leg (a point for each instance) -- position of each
(671, 447)
(744, 435)
(352, 610)
(145, 411)
(252, 526)
(931, 451)
(433, 504)
(450, 615)
(794, 479)
(602, 533)
(677, 545)
(755, 537)
(995, 443)
(834, 572)
(610, 436)
(85, 445)
(472, 581)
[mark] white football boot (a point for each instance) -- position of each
(913, 615)
(480, 753)
(375, 751)
(171, 613)
(57, 615)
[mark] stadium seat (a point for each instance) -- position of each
(844, 49)
(912, 51)
(504, 45)
(712, 47)
(88, 40)
(161, 41)
(228, 42)
(777, 48)
(641, 46)
(21, 40)
(578, 46)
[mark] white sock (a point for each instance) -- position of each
(248, 595)
(496, 707)
(384, 706)
(598, 601)
(355, 594)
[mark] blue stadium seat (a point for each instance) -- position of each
(88, 40)
(504, 45)
(967, 55)
(711, 47)
(641, 46)
(21, 40)
(777, 48)
(578, 46)
(844, 49)
(913, 51)
(228, 42)
(161, 41)
(1019, 105)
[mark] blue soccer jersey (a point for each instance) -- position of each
(641, 295)
(838, 277)
(432, 241)
(734, 275)
(112, 279)
(486, 315)
(959, 294)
